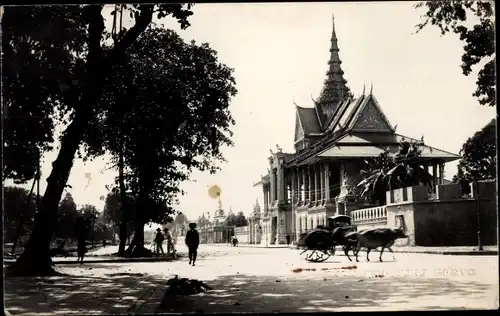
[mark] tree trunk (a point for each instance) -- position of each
(124, 205)
(136, 247)
(123, 238)
(35, 260)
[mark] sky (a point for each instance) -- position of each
(279, 53)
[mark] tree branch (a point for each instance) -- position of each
(141, 23)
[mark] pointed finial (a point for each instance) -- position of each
(312, 99)
(371, 88)
(363, 89)
(293, 100)
(333, 23)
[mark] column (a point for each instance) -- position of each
(327, 182)
(272, 176)
(295, 193)
(266, 197)
(309, 185)
(441, 173)
(322, 182)
(299, 185)
(316, 184)
(434, 177)
(304, 185)
(279, 184)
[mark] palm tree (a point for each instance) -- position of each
(394, 171)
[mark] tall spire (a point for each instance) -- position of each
(334, 87)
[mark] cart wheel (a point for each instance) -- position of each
(315, 255)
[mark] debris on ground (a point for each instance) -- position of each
(379, 275)
(278, 280)
(349, 268)
(185, 286)
(297, 270)
(347, 296)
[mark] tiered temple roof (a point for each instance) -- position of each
(341, 126)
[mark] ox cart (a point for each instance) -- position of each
(320, 243)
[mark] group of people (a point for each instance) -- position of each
(160, 238)
(192, 242)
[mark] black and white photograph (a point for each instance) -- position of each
(249, 157)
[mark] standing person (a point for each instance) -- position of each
(81, 234)
(170, 244)
(159, 238)
(192, 242)
(288, 240)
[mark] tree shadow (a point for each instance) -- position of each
(247, 293)
(111, 293)
(119, 292)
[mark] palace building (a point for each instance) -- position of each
(332, 139)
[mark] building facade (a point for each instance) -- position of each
(332, 139)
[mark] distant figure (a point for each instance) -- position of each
(159, 238)
(234, 241)
(81, 234)
(192, 242)
(288, 240)
(104, 243)
(170, 244)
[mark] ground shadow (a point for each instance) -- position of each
(121, 292)
(112, 293)
(246, 293)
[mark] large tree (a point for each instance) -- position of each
(180, 223)
(479, 40)
(18, 210)
(113, 214)
(82, 68)
(390, 171)
(479, 156)
(67, 215)
(240, 220)
(169, 93)
(90, 215)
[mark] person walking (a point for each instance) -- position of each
(159, 238)
(288, 240)
(192, 242)
(81, 236)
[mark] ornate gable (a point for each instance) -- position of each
(371, 118)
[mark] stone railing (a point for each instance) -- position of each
(373, 214)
